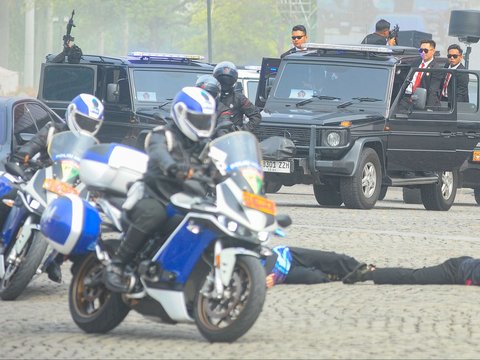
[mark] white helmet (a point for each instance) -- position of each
(84, 114)
(193, 111)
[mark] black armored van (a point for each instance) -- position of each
(356, 128)
(136, 90)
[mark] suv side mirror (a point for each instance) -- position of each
(113, 93)
(419, 99)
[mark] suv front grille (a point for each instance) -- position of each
(299, 136)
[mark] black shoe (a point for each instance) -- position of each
(54, 272)
(114, 278)
(357, 274)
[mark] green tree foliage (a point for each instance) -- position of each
(242, 31)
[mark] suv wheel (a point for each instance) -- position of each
(383, 192)
(327, 195)
(440, 196)
(361, 190)
(476, 194)
(272, 187)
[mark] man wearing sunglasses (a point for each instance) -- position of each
(455, 57)
(429, 81)
(299, 37)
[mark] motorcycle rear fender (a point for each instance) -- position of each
(227, 261)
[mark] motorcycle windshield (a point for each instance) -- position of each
(66, 149)
(68, 146)
(238, 154)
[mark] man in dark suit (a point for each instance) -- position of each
(428, 80)
(380, 36)
(455, 57)
(299, 37)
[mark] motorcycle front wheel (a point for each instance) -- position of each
(93, 307)
(228, 318)
(19, 273)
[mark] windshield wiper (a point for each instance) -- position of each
(320, 97)
(359, 100)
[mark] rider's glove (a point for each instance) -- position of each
(180, 171)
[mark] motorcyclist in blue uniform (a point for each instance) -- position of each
(174, 151)
(84, 114)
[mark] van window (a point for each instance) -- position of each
(63, 83)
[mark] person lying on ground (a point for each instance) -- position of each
(463, 270)
(295, 265)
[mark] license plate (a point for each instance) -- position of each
(476, 156)
(59, 187)
(259, 203)
(277, 166)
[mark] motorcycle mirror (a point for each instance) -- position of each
(284, 220)
(14, 169)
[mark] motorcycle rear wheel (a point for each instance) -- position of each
(226, 320)
(93, 307)
(18, 275)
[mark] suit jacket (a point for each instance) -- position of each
(431, 82)
(462, 85)
(288, 52)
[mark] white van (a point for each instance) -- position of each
(248, 81)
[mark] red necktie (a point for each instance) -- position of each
(445, 85)
(419, 78)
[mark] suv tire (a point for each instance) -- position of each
(272, 187)
(476, 194)
(361, 190)
(440, 197)
(327, 195)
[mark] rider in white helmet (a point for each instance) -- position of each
(173, 151)
(84, 115)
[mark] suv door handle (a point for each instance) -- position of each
(447, 134)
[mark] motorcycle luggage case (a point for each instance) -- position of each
(71, 225)
(112, 167)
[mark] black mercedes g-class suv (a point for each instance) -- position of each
(136, 90)
(357, 128)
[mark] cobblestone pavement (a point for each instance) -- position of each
(317, 321)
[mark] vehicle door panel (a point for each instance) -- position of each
(421, 139)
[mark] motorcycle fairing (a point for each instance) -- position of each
(71, 225)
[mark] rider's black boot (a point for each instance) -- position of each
(114, 277)
(54, 272)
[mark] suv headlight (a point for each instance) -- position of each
(334, 138)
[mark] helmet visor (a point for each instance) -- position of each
(86, 123)
(201, 122)
(227, 80)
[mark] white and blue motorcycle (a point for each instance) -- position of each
(204, 268)
(25, 252)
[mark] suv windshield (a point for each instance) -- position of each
(153, 87)
(340, 82)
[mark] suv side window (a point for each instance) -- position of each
(64, 82)
(469, 104)
(28, 118)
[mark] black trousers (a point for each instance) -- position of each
(315, 266)
(444, 273)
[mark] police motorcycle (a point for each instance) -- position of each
(25, 252)
(208, 270)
